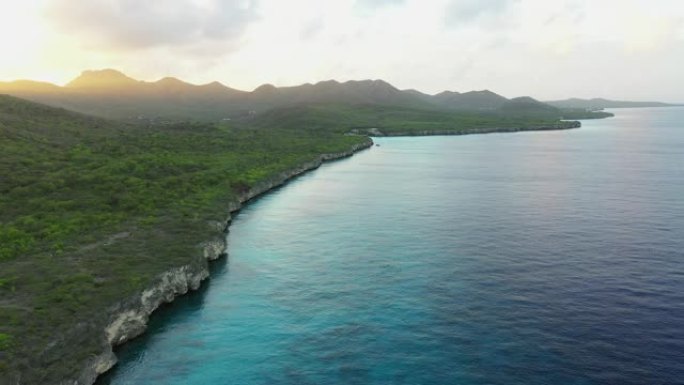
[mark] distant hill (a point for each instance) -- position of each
(474, 100)
(599, 103)
(111, 94)
(527, 106)
(377, 92)
(107, 79)
(29, 86)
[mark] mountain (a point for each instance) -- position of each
(527, 106)
(29, 86)
(474, 100)
(333, 92)
(599, 103)
(111, 94)
(107, 79)
(418, 94)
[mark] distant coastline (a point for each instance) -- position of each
(564, 125)
(597, 104)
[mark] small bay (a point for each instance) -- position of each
(529, 258)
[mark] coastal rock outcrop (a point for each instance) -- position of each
(128, 318)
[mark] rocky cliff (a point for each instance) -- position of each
(128, 318)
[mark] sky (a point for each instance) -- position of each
(548, 49)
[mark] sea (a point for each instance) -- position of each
(532, 258)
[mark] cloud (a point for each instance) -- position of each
(378, 3)
(460, 11)
(514, 47)
(311, 29)
(140, 24)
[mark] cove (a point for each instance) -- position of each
(527, 258)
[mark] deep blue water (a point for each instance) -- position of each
(527, 258)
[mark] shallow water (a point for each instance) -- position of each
(527, 258)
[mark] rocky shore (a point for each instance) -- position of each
(128, 318)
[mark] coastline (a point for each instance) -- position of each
(128, 318)
(378, 132)
(307, 280)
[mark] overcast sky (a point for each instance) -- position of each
(620, 49)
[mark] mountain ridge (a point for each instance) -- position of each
(94, 79)
(112, 94)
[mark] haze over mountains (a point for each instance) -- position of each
(110, 93)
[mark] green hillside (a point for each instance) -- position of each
(391, 120)
(91, 211)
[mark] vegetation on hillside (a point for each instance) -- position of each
(344, 118)
(91, 210)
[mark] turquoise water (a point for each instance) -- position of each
(527, 258)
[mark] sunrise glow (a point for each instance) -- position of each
(462, 45)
